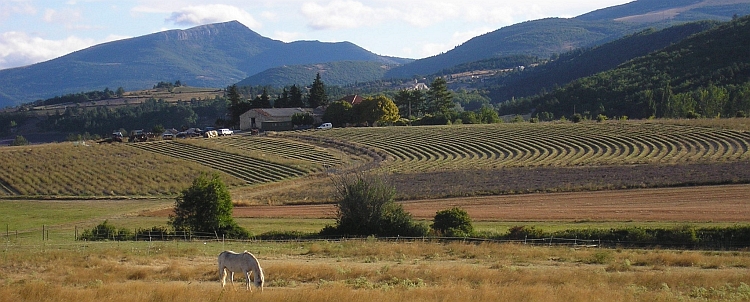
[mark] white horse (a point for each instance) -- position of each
(240, 263)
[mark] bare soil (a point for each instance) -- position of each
(728, 203)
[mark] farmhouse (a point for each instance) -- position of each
(273, 119)
(353, 99)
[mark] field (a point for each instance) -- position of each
(552, 176)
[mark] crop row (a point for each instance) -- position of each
(283, 148)
(546, 144)
(250, 170)
(66, 169)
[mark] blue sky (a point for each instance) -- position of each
(33, 31)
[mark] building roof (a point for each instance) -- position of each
(278, 112)
(353, 99)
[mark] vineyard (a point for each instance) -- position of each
(424, 149)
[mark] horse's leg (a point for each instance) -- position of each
(247, 278)
(223, 277)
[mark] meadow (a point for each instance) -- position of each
(553, 176)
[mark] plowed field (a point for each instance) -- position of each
(729, 203)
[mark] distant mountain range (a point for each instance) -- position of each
(222, 54)
(213, 55)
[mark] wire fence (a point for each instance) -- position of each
(72, 235)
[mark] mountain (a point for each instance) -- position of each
(214, 55)
(332, 73)
(706, 74)
(588, 61)
(546, 37)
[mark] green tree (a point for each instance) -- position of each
(19, 141)
(339, 113)
(236, 106)
(376, 109)
(120, 92)
(206, 207)
(487, 115)
(318, 95)
(410, 102)
(365, 206)
(439, 97)
(302, 119)
(295, 97)
(453, 222)
(283, 100)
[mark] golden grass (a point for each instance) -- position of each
(372, 271)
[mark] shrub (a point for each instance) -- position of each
(601, 118)
(365, 206)
(577, 118)
(106, 231)
(453, 222)
(525, 232)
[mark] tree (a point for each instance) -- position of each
(376, 109)
(302, 119)
(120, 92)
(265, 100)
(295, 97)
(365, 206)
(409, 102)
(283, 100)
(453, 222)
(439, 98)
(339, 113)
(19, 141)
(317, 93)
(206, 207)
(487, 115)
(236, 106)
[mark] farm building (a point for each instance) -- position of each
(273, 119)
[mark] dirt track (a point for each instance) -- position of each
(691, 204)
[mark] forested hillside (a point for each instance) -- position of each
(585, 62)
(332, 73)
(705, 75)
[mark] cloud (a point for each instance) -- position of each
(341, 14)
(20, 49)
(212, 13)
(15, 7)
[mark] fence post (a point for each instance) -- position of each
(42, 232)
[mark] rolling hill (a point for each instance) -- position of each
(214, 55)
(558, 35)
(706, 74)
(332, 73)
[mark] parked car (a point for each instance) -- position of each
(225, 131)
(167, 135)
(325, 126)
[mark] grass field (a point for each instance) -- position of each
(631, 174)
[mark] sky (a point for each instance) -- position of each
(33, 31)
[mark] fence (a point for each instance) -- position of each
(57, 234)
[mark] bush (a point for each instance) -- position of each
(106, 231)
(577, 118)
(601, 118)
(365, 206)
(525, 232)
(453, 222)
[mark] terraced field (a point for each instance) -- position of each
(249, 169)
(546, 144)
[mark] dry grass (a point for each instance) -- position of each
(373, 271)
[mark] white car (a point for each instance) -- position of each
(325, 126)
(225, 131)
